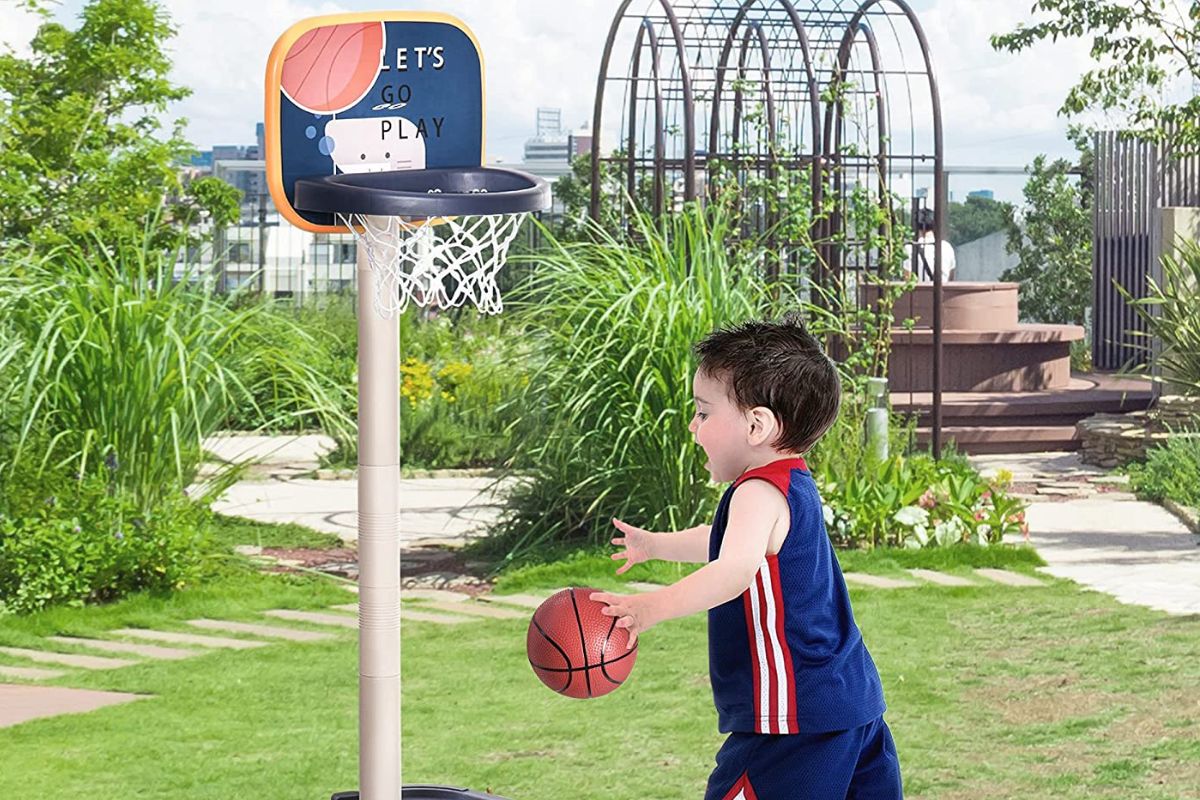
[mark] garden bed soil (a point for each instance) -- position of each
(421, 566)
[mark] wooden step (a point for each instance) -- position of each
(981, 440)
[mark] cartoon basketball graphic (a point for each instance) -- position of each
(330, 69)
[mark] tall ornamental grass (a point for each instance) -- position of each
(1171, 313)
(120, 370)
(602, 429)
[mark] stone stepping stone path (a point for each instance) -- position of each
(83, 662)
(145, 650)
(22, 703)
(189, 638)
(269, 631)
(314, 617)
(941, 578)
(417, 615)
(523, 600)
(1009, 578)
(30, 673)
(876, 581)
(476, 609)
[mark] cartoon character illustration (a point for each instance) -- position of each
(374, 144)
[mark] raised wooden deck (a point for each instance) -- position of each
(1018, 422)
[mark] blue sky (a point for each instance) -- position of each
(998, 109)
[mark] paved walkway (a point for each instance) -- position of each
(1090, 531)
(434, 511)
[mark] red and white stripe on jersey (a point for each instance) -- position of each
(742, 790)
(770, 657)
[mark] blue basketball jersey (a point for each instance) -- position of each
(786, 656)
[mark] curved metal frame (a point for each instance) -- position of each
(801, 54)
(598, 108)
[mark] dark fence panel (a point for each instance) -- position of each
(1134, 178)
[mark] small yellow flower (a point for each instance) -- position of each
(416, 381)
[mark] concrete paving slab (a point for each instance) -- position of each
(1138, 552)
(314, 617)
(30, 673)
(523, 600)
(351, 607)
(189, 638)
(446, 511)
(83, 662)
(1026, 467)
(432, 616)
(1008, 577)
(145, 650)
(474, 609)
(941, 578)
(877, 581)
(236, 448)
(266, 631)
(22, 703)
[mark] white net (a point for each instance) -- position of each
(444, 265)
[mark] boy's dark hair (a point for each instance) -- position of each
(781, 366)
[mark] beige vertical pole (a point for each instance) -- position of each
(378, 543)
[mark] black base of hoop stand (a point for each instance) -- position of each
(426, 792)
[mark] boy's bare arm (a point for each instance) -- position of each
(690, 545)
(753, 511)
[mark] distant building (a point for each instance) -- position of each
(986, 194)
(251, 183)
(549, 152)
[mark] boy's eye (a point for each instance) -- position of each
(701, 415)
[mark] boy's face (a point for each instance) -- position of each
(720, 428)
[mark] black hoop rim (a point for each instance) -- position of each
(459, 191)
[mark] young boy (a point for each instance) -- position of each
(793, 683)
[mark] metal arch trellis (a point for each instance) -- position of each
(818, 91)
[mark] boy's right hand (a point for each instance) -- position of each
(637, 545)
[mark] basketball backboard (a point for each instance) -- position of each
(370, 92)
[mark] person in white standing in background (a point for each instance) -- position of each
(925, 253)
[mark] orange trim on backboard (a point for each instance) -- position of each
(272, 90)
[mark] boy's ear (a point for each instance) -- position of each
(764, 426)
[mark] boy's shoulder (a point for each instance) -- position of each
(779, 473)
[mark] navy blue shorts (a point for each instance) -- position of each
(858, 764)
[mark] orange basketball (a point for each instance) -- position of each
(576, 650)
(330, 69)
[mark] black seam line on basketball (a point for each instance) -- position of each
(582, 644)
(607, 638)
(562, 652)
(627, 654)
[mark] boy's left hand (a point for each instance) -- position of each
(633, 611)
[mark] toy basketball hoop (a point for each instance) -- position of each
(374, 125)
(433, 237)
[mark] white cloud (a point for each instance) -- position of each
(17, 27)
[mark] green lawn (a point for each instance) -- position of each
(993, 692)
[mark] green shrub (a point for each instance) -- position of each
(75, 541)
(1171, 472)
(908, 499)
